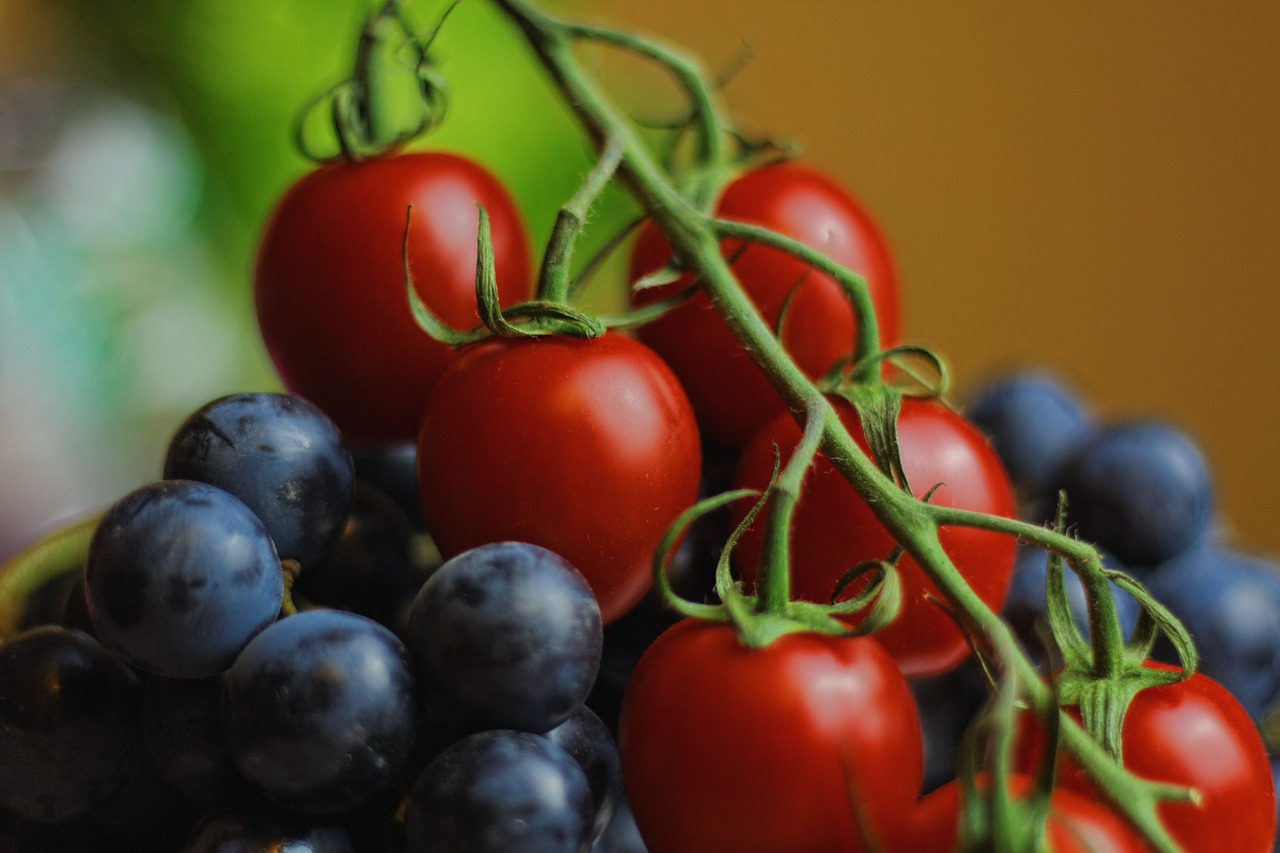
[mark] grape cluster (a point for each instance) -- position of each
(261, 654)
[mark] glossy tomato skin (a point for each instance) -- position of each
(329, 284)
(586, 447)
(1075, 824)
(1192, 733)
(727, 749)
(833, 529)
(728, 392)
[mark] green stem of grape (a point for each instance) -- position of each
(59, 553)
(694, 236)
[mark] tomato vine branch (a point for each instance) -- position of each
(694, 236)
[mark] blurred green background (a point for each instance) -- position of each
(1088, 185)
(142, 145)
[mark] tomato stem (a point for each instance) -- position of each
(773, 581)
(694, 236)
(553, 278)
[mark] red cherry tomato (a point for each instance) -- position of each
(727, 749)
(1075, 824)
(728, 392)
(1191, 733)
(833, 529)
(330, 290)
(586, 447)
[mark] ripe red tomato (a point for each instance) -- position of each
(727, 749)
(1192, 733)
(833, 529)
(1075, 824)
(586, 447)
(330, 291)
(728, 392)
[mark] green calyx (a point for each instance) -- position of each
(771, 613)
(1101, 675)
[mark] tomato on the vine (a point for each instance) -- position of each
(730, 395)
(1193, 733)
(1074, 824)
(834, 529)
(329, 286)
(586, 447)
(811, 743)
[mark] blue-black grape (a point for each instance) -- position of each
(585, 737)
(320, 710)
(373, 569)
(500, 792)
(393, 470)
(506, 635)
(947, 704)
(1230, 603)
(621, 835)
(182, 729)
(1033, 421)
(70, 723)
(180, 576)
(263, 833)
(1139, 489)
(280, 455)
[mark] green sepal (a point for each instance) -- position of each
(1103, 703)
(1159, 618)
(877, 407)
(487, 280)
(850, 370)
(1067, 638)
(881, 598)
(648, 313)
(660, 277)
(426, 319)
(671, 541)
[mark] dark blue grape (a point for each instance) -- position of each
(146, 812)
(1024, 605)
(1230, 603)
(393, 470)
(621, 835)
(585, 737)
(260, 833)
(373, 569)
(947, 704)
(506, 635)
(1033, 421)
(47, 604)
(69, 723)
(1140, 490)
(280, 455)
(500, 792)
(182, 728)
(320, 710)
(180, 576)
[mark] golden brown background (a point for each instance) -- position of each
(1089, 186)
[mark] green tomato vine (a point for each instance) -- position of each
(681, 213)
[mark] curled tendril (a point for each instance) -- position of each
(349, 105)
